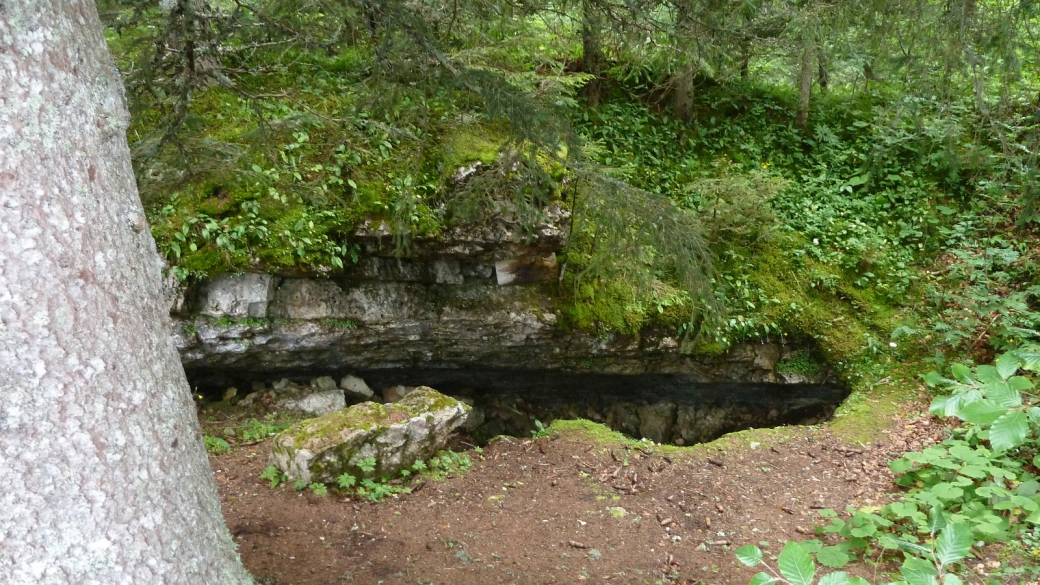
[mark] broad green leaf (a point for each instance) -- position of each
(989, 374)
(796, 565)
(750, 555)
(934, 378)
(838, 578)
(1030, 358)
(834, 557)
(901, 465)
(947, 491)
(1004, 394)
(1020, 383)
(951, 405)
(918, 572)
(936, 520)
(1008, 431)
(1034, 414)
(953, 543)
(858, 581)
(811, 546)
(761, 579)
(963, 374)
(982, 412)
(951, 579)
(858, 180)
(1028, 488)
(1007, 365)
(974, 471)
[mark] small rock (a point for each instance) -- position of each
(248, 400)
(318, 403)
(280, 385)
(230, 393)
(324, 383)
(259, 386)
(356, 388)
(393, 394)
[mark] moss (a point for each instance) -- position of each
(469, 144)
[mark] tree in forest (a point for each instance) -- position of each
(104, 472)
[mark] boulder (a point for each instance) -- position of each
(657, 420)
(317, 403)
(324, 383)
(356, 388)
(395, 435)
(395, 393)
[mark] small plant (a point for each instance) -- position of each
(273, 475)
(343, 324)
(299, 484)
(368, 464)
(256, 430)
(923, 565)
(346, 481)
(216, 445)
(799, 363)
(319, 489)
(540, 430)
(377, 491)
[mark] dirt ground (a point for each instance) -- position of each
(566, 508)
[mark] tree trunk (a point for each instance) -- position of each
(805, 78)
(823, 77)
(592, 58)
(104, 474)
(682, 92)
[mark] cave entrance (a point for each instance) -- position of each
(665, 408)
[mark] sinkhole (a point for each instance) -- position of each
(665, 408)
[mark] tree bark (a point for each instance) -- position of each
(805, 79)
(592, 58)
(104, 474)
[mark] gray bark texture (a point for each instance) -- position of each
(105, 478)
(805, 79)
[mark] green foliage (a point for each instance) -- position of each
(216, 445)
(540, 430)
(367, 464)
(346, 481)
(377, 489)
(273, 475)
(799, 363)
(923, 565)
(980, 483)
(795, 565)
(259, 430)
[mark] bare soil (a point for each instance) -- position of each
(567, 508)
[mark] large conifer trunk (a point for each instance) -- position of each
(103, 472)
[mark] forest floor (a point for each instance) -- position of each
(579, 504)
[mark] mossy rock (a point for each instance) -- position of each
(395, 435)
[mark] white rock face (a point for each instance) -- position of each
(236, 296)
(355, 387)
(396, 435)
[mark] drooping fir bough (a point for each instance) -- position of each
(104, 474)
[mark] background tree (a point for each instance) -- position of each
(106, 478)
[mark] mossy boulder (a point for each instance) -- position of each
(395, 435)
